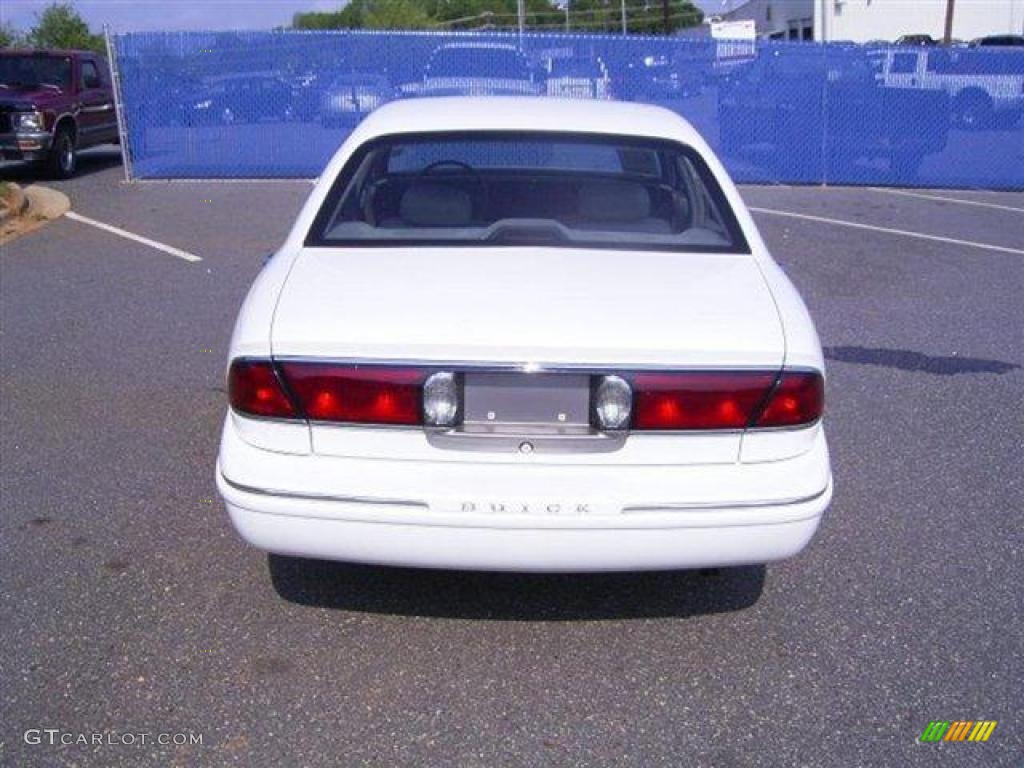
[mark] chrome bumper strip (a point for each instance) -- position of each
(793, 501)
(631, 509)
(323, 496)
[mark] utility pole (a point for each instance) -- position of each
(566, 15)
(623, 16)
(664, 16)
(521, 10)
(947, 37)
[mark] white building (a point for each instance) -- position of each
(863, 20)
(776, 19)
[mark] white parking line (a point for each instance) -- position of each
(945, 199)
(890, 231)
(132, 236)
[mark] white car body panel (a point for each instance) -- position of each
(701, 310)
(387, 495)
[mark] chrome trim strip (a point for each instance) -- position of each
(632, 508)
(535, 367)
(429, 431)
(323, 496)
(543, 439)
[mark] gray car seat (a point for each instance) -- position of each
(617, 206)
(430, 204)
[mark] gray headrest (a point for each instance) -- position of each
(435, 205)
(614, 201)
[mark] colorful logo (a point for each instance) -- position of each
(959, 730)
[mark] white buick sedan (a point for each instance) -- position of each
(525, 334)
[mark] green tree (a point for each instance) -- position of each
(9, 37)
(500, 14)
(60, 26)
(395, 14)
(368, 14)
(643, 16)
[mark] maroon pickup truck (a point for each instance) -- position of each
(53, 103)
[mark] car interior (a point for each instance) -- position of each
(587, 204)
(606, 194)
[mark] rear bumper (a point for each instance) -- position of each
(661, 525)
(416, 544)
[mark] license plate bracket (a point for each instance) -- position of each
(528, 399)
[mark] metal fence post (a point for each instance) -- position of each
(825, 106)
(122, 127)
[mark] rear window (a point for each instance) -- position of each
(33, 71)
(527, 189)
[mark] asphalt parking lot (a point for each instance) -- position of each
(129, 605)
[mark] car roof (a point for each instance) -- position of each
(61, 52)
(521, 113)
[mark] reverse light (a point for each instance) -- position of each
(441, 400)
(255, 390)
(613, 403)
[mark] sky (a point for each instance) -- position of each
(135, 15)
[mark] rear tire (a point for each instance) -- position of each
(62, 161)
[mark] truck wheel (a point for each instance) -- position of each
(973, 109)
(62, 162)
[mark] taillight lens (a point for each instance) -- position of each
(798, 399)
(254, 389)
(699, 400)
(371, 395)
(690, 400)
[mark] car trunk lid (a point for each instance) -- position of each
(529, 305)
(547, 307)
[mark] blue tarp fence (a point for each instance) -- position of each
(278, 104)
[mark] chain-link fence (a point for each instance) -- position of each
(278, 104)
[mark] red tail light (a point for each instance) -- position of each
(357, 395)
(798, 399)
(712, 400)
(254, 389)
(726, 400)
(691, 400)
